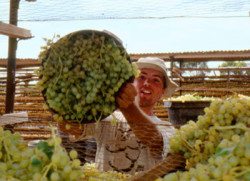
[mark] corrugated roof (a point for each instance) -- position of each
(232, 55)
(217, 55)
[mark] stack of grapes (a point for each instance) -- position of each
(81, 74)
(217, 146)
(48, 161)
(190, 97)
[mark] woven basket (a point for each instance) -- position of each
(172, 163)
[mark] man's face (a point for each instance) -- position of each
(150, 86)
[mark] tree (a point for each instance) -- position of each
(234, 64)
(194, 65)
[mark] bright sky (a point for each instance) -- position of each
(145, 35)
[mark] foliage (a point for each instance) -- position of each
(194, 65)
(234, 64)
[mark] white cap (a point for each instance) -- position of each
(159, 65)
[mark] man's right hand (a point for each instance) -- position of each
(75, 129)
(126, 96)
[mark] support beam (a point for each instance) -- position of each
(11, 69)
(14, 31)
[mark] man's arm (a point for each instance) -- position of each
(142, 125)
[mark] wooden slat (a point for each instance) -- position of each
(20, 63)
(14, 31)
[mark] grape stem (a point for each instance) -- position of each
(226, 158)
(56, 147)
(187, 144)
(60, 73)
(6, 147)
(68, 105)
(46, 168)
(244, 128)
(245, 170)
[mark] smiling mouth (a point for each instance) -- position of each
(145, 92)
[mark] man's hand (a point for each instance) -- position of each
(126, 95)
(70, 128)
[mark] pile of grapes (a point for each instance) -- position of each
(48, 161)
(190, 97)
(217, 146)
(81, 73)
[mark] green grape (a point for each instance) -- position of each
(73, 154)
(76, 163)
(3, 167)
(55, 159)
(54, 176)
(67, 169)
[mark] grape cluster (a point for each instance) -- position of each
(217, 146)
(190, 97)
(91, 173)
(81, 73)
(48, 161)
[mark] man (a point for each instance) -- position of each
(138, 140)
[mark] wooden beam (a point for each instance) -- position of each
(14, 31)
(20, 63)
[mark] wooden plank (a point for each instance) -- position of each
(21, 63)
(14, 31)
(215, 89)
(13, 118)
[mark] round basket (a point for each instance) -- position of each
(88, 71)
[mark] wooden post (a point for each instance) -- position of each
(11, 67)
(171, 65)
(181, 66)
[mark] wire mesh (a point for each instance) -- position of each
(118, 146)
(81, 10)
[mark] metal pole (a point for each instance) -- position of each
(11, 66)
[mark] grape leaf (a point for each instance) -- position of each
(36, 162)
(223, 151)
(44, 146)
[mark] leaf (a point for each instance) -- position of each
(36, 162)
(223, 151)
(44, 146)
(198, 97)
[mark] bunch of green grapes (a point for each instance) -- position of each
(46, 162)
(91, 173)
(217, 146)
(81, 74)
(191, 97)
